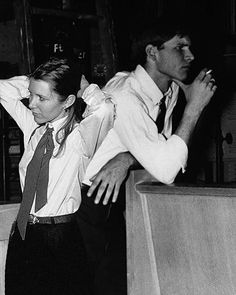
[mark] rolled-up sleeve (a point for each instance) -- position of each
(137, 131)
(93, 130)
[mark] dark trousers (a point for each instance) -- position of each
(50, 261)
(103, 231)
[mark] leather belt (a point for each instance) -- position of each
(51, 219)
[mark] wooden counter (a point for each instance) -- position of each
(181, 240)
(7, 216)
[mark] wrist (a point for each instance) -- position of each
(127, 159)
(192, 111)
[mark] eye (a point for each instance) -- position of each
(179, 47)
(41, 98)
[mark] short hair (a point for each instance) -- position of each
(156, 33)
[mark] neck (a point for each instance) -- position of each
(162, 81)
(162, 84)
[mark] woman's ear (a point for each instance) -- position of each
(83, 85)
(151, 51)
(69, 101)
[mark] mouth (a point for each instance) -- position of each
(186, 68)
(35, 114)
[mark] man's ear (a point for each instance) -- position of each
(69, 101)
(151, 51)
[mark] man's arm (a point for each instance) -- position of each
(198, 95)
(111, 177)
(162, 158)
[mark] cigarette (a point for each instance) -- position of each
(208, 72)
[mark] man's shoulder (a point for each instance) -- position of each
(123, 87)
(122, 81)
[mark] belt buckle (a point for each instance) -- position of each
(33, 219)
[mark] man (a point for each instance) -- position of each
(165, 58)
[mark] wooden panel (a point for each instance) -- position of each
(7, 216)
(181, 240)
(194, 240)
(141, 265)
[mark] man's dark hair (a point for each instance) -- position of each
(156, 33)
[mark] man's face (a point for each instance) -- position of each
(175, 57)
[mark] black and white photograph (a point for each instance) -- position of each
(117, 147)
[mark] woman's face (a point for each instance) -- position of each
(44, 102)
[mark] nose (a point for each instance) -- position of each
(32, 102)
(189, 55)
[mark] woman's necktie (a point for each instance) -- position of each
(36, 180)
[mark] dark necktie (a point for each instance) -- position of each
(160, 121)
(36, 180)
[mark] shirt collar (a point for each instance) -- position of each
(150, 87)
(56, 125)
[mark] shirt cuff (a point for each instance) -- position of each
(14, 88)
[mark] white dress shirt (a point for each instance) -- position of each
(137, 100)
(67, 169)
(64, 195)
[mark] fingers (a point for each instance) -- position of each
(203, 74)
(109, 179)
(210, 81)
(102, 186)
(108, 195)
(115, 194)
(100, 193)
(111, 189)
(93, 187)
(212, 86)
(206, 77)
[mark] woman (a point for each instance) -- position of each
(46, 253)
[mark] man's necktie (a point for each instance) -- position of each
(160, 121)
(36, 180)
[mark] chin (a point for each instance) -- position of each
(39, 121)
(182, 77)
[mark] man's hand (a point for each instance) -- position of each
(110, 177)
(199, 92)
(198, 95)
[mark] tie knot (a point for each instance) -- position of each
(48, 132)
(163, 100)
(49, 129)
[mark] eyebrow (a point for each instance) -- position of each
(183, 43)
(39, 94)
